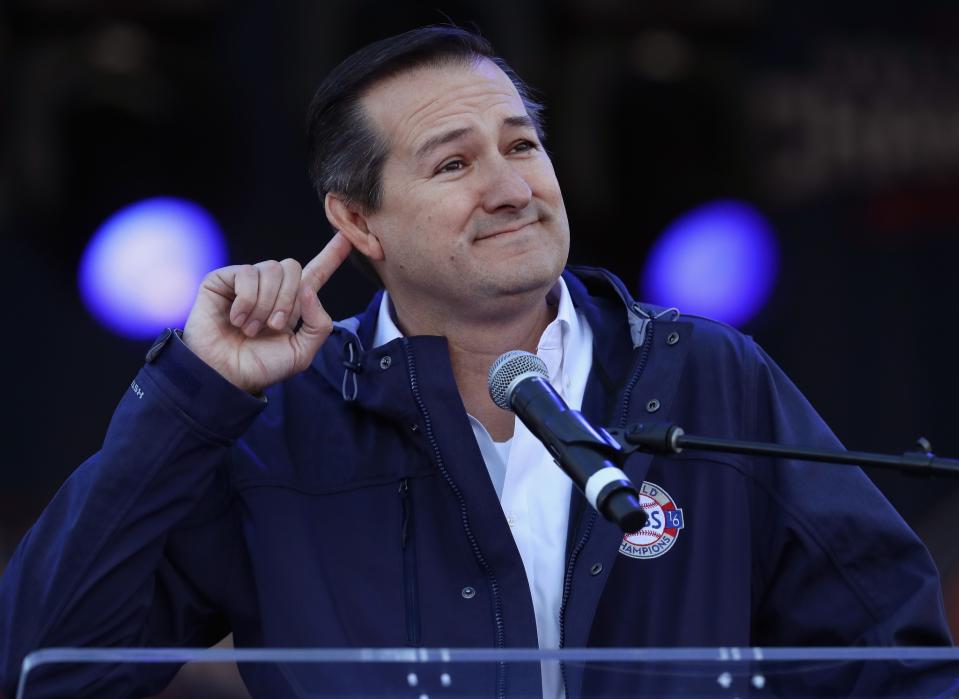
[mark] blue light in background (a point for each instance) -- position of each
(141, 269)
(719, 260)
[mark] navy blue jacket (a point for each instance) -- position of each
(354, 507)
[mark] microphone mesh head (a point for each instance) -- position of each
(506, 368)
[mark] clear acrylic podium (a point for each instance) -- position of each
(420, 673)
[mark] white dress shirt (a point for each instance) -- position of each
(534, 493)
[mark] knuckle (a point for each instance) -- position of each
(243, 302)
(262, 309)
(284, 302)
(246, 280)
(267, 276)
(291, 265)
(269, 266)
(290, 285)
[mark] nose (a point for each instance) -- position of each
(505, 187)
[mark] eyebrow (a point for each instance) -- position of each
(438, 140)
(522, 120)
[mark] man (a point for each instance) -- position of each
(301, 483)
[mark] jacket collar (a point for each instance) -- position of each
(348, 361)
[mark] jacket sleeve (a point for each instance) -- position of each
(841, 567)
(94, 569)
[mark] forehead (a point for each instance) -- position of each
(408, 107)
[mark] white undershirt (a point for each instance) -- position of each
(534, 493)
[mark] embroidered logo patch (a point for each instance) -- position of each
(662, 527)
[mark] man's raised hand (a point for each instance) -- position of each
(242, 322)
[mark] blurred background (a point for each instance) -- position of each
(791, 168)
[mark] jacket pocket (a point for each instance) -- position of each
(411, 588)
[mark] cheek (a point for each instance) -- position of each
(542, 179)
(443, 216)
(426, 221)
(546, 187)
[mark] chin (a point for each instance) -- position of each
(526, 278)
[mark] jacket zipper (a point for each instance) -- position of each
(574, 554)
(464, 519)
(407, 542)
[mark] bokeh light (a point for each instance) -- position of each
(141, 269)
(719, 260)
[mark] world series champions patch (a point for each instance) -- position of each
(664, 521)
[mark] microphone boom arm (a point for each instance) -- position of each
(666, 438)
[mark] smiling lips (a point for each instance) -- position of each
(511, 229)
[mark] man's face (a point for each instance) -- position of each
(471, 212)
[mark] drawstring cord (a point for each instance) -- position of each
(353, 367)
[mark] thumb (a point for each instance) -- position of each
(317, 326)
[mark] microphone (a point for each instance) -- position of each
(518, 381)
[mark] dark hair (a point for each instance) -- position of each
(345, 151)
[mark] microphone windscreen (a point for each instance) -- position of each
(507, 368)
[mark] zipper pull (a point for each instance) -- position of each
(404, 496)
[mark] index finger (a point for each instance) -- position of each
(319, 270)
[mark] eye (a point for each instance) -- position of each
(451, 166)
(523, 146)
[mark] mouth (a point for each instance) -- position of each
(515, 228)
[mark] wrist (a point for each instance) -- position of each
(221, 368)
(196, 388)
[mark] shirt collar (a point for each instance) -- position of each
(557, 335)
(386, 330)
(562, 338)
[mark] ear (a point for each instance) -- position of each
(351, 222)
